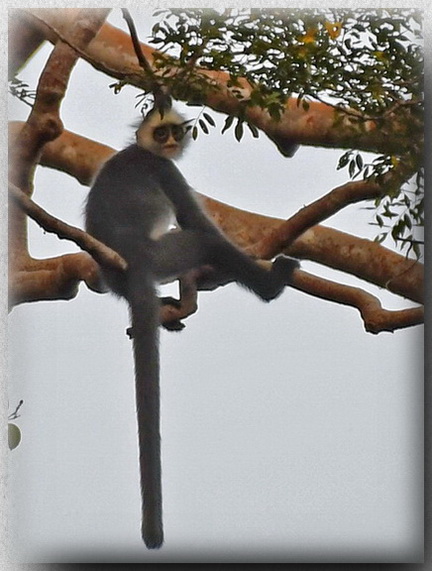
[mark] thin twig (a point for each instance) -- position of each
(13, 415)
(137, 44)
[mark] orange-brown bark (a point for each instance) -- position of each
(23, 40)
(25, 146)
(367, 260)
(111, 51)
(375, 318)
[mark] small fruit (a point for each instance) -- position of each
(14, 435)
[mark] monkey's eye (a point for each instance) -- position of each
(177, 132)
(161, 134)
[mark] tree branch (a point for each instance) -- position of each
(137, 45)
(320, 125)
(337, 199)
(44, 122)
(370, 261)
(375, 318)
(44, 125)
(101, 253)
(53, 278)
(349, 193)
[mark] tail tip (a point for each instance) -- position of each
(153, 540)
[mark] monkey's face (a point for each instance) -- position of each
(168, 140)
(164, 136)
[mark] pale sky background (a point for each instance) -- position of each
(288, 433)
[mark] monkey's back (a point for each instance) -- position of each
(127, 207)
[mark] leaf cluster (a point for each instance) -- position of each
(402, 216)
(365, 59)
(399, 212)
(368, 62)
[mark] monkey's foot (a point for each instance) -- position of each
(283, 267)
(172, 324)
(281, 275)
(176, 325)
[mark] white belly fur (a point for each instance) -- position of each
(163, 225)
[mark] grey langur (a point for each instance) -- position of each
(136, 197)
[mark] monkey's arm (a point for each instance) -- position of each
(189, 213)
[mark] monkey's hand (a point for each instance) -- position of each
(281, 274)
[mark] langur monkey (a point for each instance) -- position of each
(136, 197)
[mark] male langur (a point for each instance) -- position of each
(137, 196)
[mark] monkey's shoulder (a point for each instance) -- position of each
(135, 157)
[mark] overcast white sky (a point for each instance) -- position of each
(288, 433)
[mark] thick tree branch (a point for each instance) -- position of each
(23, 40)
(81, 158)
(53, 278)
(43, 125)
(44, 122)
(337, 199)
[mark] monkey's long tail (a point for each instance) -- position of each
(144, 306)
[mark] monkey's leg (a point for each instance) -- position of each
(178, 252)
(174, 310)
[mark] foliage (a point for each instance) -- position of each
(400, 212)
(365, 62)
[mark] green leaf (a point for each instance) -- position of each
(228, 123)
(407, 221)
(343, 161)
(238, 132)
(253, 130)
(203, 126)
(209, 119)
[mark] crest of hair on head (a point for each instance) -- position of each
(154, 119)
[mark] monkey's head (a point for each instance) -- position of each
(164, 135)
